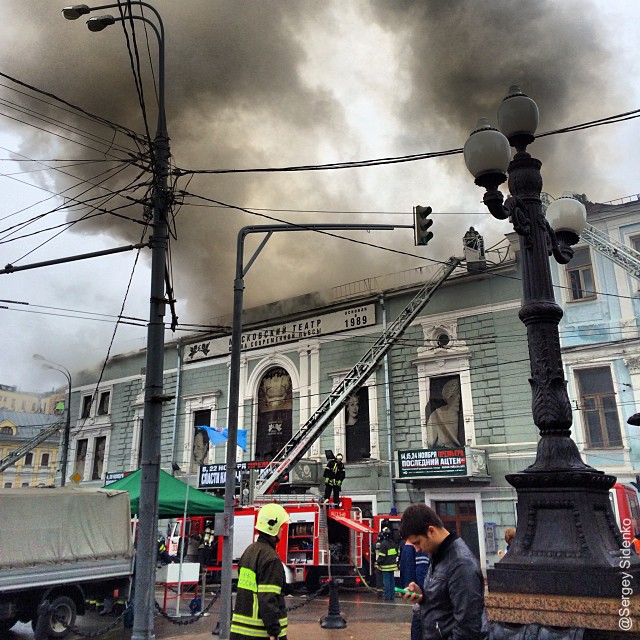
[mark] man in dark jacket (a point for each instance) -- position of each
(452, 597)
(260, 610)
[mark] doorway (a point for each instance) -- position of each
(459, 517)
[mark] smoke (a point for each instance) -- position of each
(268, 83)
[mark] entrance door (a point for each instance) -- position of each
(459, 516)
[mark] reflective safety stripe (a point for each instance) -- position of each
(247, 580)
(269, 588)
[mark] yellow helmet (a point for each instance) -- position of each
(270, 518)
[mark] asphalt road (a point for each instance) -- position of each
(367, 616)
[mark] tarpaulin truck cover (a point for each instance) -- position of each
(63, 525)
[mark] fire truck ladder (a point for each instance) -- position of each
(621, 254)
(300, 443)
(14, 456)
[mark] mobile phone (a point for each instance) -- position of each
(399, 590)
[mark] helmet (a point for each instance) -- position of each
(270, 518)
(386, 534)
(339, 457)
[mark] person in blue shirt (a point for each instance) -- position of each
(414, 565)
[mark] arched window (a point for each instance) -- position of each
(275, 409)
(6, 431)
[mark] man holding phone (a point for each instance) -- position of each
(452, 599)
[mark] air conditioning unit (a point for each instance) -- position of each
(305, 472)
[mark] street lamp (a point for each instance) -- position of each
(567, 542)
(67, 425)
(144, 608)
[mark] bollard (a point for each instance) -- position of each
(333, 619)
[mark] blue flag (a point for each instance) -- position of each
(219, 436)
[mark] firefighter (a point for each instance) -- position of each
(387, 562)
(260, 610)
(333, 477)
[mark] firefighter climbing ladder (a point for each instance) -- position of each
(300, 443)
(620, 253)
(22, 451)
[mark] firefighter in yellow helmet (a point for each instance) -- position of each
(260, 610)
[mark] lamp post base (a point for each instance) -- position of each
(567, 541)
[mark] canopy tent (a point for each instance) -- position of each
(171, 496)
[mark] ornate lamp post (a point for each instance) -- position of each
(567, 541)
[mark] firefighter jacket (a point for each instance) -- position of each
(260, 609)
(334, 473)
(387, 555)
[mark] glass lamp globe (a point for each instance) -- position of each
(567, 214)
(487, 155)
(518, 117)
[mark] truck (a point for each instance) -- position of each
(319, 540)
(62, 545)
(626, 509)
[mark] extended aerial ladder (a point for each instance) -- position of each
(22, 451)
(618, 252)
(301, 442)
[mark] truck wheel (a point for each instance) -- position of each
(62, 615)
(5, 625)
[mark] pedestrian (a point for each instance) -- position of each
(509, 536)
(636, 542)
(414, 565)
(333, 477)
(387, 562)
(452, 596)
(260, 610)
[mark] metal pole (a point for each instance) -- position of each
(67, 427)
(234, 393)
(67, 434)
(144, 604)
(230, 480)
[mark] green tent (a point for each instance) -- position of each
(171, 496)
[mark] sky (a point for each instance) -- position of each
(264, 84)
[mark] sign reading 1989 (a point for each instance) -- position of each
(358, 317)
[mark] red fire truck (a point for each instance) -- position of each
(318, 541)
(626, 508)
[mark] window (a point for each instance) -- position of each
(275, 413)
(44, 460)
(580, 275)
(635, 243)
(445, 418)
(103, 405)
(459, 516)
(25, 484)
(6, 431)
(81, 456)
(28, 459)
(7, 485)
(357, 426)
(598, 407)
(86, 407)
(100, 445)
(200, 436)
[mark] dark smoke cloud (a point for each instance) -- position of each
(464, 54)
(237, 97)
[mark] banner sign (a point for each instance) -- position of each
(316, 326)
(214, 476)
(115, 475)
(427, 463)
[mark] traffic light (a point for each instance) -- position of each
(422, 223)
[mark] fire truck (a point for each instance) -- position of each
(318, 542)
(626, 508)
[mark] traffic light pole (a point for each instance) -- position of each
(234, 389)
